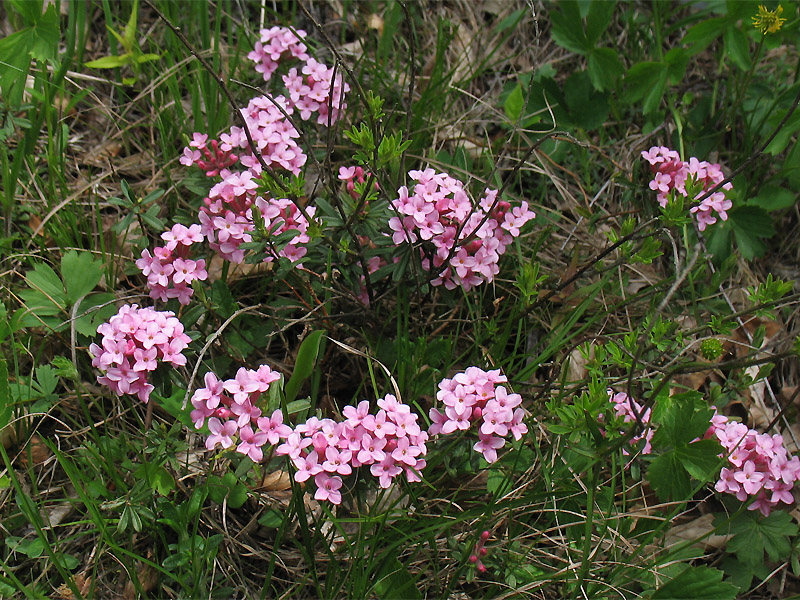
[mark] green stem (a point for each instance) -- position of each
(588, 527)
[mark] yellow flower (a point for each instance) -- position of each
(768, 21)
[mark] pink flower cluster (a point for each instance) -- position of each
(627, 408)
(480, 552)
(672, 173)
(351, 176)
(318, 89)
(169, 270)
(231, 408)
(275, 44)
(390, 442)
(272, 133)
(226, 218)
(134, 341)
(476, 396)
(315, 88)
(759, 465)
(435, 211)
(212, 160)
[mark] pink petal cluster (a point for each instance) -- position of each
(434, 212)
(759, 465)
(351, 176)
(211, 160)
(226, 219)
(273, 135)
(390, 442)
(231, 409)
(135, 341)
(475, 396)
(627, 408)
(672, 173)
(313, 87)
(169, 270)
(281, 215)
(275, 44)
(316, 89)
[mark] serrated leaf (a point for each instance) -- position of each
(700, 459)
(698, 583)
(598, 19)
(44, 280)
(47, 379)
(668, 478)
(81, 273)
(754, 534)
(772, 197)
(566, 28)
(682, 418)
(604, 68)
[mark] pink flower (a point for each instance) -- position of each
(328, 488)
(274, 428)
(220, 434)
(488, 446)
(251, 443)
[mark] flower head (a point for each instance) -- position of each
(768, 21)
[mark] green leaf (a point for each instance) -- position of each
(682, 418)
(514, 104)
(772, 197)
(588, 108)
(143, 58)
(47, 379)
(701, 458)
(787, 131)
(598, 19)
(668, 478)
(394, 582)
(304, 365)
(737, 47)
(753, 534)
(699, 36)
(110, 62)
(604, 68)
(272, 518)
(81, 273)
(173, 406)
(676, 59)
(646, 81)
(129, 33)
(698, 583)
(44, 280)
(162, 482)
(750, 224)
(566, 28)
